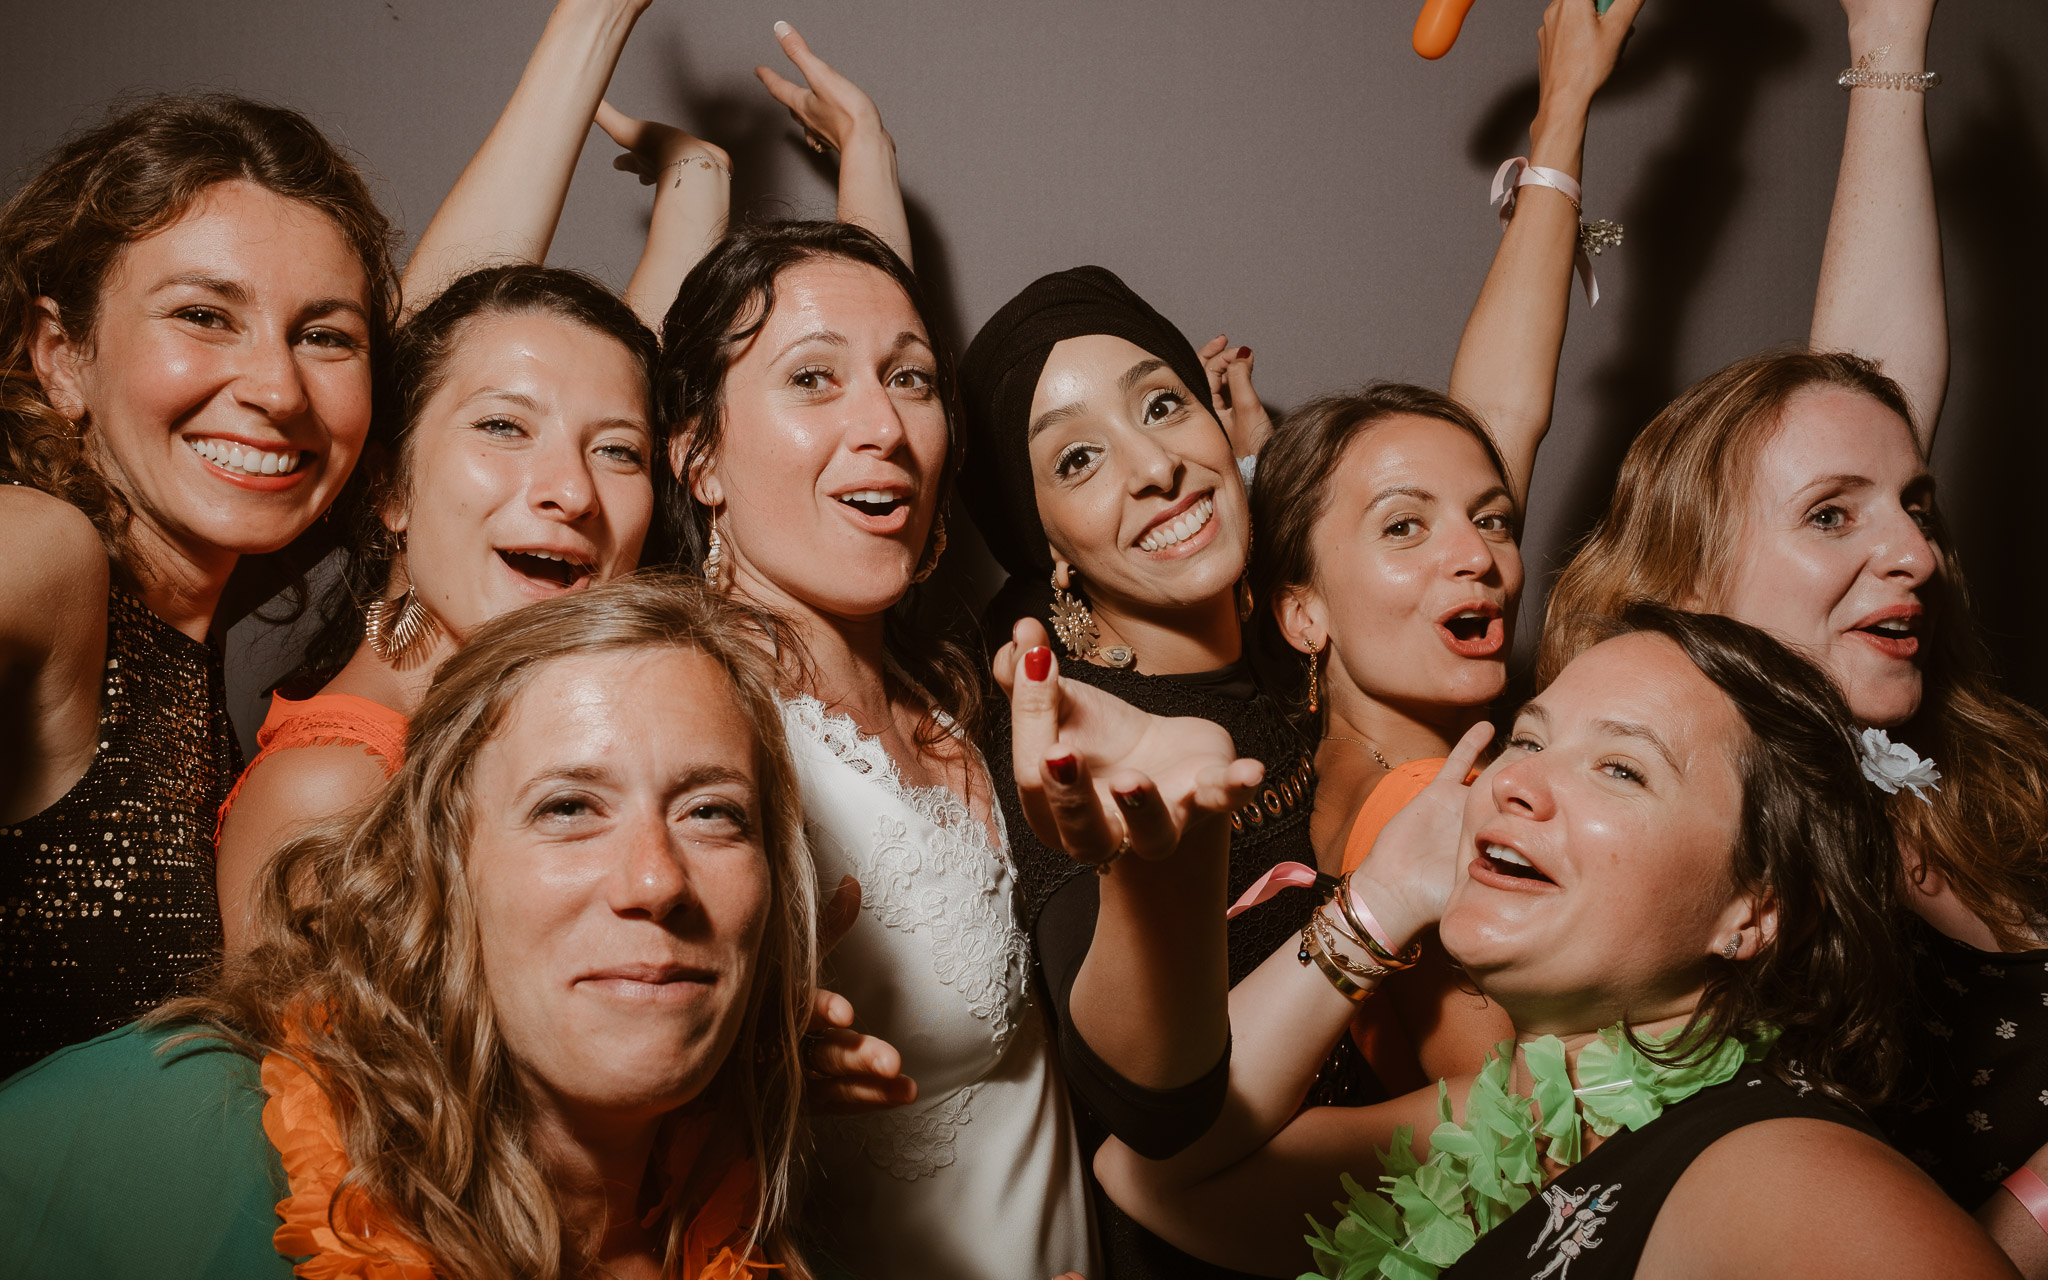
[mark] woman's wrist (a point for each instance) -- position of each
(1399, 921)
(1905, 44)
(1558, 141)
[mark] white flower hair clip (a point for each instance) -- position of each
(1894, 765)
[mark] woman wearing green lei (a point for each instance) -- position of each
(1678, 885)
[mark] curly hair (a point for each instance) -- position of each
(127, 179)
(1815, 841)
(368, 918)
(1669, 535)
(723, 303)
(1292, 491)
(418, 365)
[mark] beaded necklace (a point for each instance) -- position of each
(1430, 1212)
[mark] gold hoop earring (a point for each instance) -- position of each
(714, 559)
(1074, 623)
(936, 549)
(394, 626)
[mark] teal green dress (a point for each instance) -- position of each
(119, 1160)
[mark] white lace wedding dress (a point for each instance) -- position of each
(981, 1176)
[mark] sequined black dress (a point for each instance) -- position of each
(109, 893)
(1060, 900)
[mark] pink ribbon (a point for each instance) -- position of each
(1288, 875)
(2032, 1193)
(1518, 173)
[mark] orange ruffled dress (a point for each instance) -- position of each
(323, 720)
(1378, 1032)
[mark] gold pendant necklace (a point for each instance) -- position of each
(1370, 749)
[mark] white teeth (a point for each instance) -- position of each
(868, 495)
(550, 555)
(253, 462)
(1470, 613)
(1181, 530)
(1501, 853)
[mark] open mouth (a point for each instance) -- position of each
(1474, 631)
(1897, 635)
(1505, 861)
(1187, 525)
(547, 566)
(874, 502)
(247, 460)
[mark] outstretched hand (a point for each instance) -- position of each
(1093, 772)
(1238, 407)
(653, 148)
(1408, 876)
(849, 1072)
(1577, 47)
(830, 108)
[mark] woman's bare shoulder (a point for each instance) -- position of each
(54, 575)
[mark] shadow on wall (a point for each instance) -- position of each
(1992, 188)
(1681, 210)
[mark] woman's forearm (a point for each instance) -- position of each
(869, 193)
(505, 205)
(1881, 293)
(691, 205)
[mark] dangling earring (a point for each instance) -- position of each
(714, 559)
(1244, 583)
(1313, 704)
(1074, 623)
(394, 626)
(937, 549)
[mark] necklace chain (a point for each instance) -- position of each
(1371, 749)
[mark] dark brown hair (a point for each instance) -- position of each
(1668, 536)
(723, 303)
(367, 918)
(129, 178)
(1292, 491)
(1814, 840)
(420, 353)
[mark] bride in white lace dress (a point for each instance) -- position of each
(812, 442)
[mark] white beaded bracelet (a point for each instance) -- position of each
(1865, 75)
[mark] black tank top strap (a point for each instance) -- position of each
(1593, 1220)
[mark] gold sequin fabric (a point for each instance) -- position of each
(109, 892)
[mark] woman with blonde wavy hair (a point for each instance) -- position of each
(533, 1011)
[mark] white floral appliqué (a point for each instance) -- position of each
(1893, 766)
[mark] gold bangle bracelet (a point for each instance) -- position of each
(1326, 936)
(1312, 947)
(1406, 960)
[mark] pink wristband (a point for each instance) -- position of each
(2032, 1193)
(1366, 918)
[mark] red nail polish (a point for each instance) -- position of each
(1037, 663)
(1064, 770)
(1130, 800)
(1244, 353)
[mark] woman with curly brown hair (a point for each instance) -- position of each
(533, 1012)
(191, 299)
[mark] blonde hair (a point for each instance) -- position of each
(1668, 537)
(368, 919)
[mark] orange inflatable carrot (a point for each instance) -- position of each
(1437, 29)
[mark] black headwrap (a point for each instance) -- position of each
(1000, 373)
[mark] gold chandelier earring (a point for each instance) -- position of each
(1074, 623)
(935, 548)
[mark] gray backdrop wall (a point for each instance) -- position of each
(1290, 173)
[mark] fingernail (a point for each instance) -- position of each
(1037, 663)
(1064, 770)
(782, 28)
(1130, 799)
(1244, 353)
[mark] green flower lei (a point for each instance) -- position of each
(1431, 1211)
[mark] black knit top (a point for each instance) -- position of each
(109, 893)
(1060, 900)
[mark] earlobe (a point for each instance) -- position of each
(1753, 925)
(55, 358)
(1062, 572)
(1300, 615)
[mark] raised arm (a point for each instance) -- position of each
(835, 113)
(692, 182)
(505, 205)
(1880, 276)
(1506, 368)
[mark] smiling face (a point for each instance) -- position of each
(833, 447)
(1416, 569)
(528, 468)
(1835, 557)
(226, 382)
(1601, 844)
(1136, 484)
(619, 877)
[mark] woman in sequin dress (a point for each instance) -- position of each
(193, 292)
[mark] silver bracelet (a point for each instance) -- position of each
(1865, 75)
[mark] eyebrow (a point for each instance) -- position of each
(1131, 378)
(1400, 491)
(519, 398)
(695, 776)
(1643, 733)
(1137, 372)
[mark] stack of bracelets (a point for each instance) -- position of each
(1354, 979)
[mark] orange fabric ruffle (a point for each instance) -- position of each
(299, 1121)
(323, 720)
(710, 1180)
